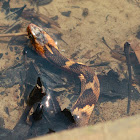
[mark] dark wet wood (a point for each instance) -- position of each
(127, 51)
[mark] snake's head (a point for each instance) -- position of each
(40, 40)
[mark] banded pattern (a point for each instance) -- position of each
(45, 46)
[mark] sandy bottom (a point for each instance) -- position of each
(83, 24)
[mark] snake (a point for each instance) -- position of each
(46, 47)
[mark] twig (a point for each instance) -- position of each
(126, 51)
(14, 34)
(106, 44)
(114, 53)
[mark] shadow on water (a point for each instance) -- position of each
(113, 89)
(52, 77)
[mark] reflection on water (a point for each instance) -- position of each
(78, 27)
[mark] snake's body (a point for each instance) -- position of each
(45, 46)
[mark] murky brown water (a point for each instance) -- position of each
(78, 27)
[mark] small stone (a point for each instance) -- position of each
(11, 49)
(85, 12)
(92, 62)
(6, 110)
(67, 14)
(2, 93)
(55, 18)
(1, 54)
(17, 58)
(16, 48)
(6, 53)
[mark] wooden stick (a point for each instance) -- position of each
(114, 53)
(126, 51)
(106, 44)
(14, 34)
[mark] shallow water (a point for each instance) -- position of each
(78, 27)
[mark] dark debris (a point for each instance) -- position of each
(67, 14)
(1, 55)
(85, 12)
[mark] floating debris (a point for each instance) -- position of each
(1, 55)
(85, 12)
(66, 14)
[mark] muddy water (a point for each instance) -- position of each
(79, 28)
